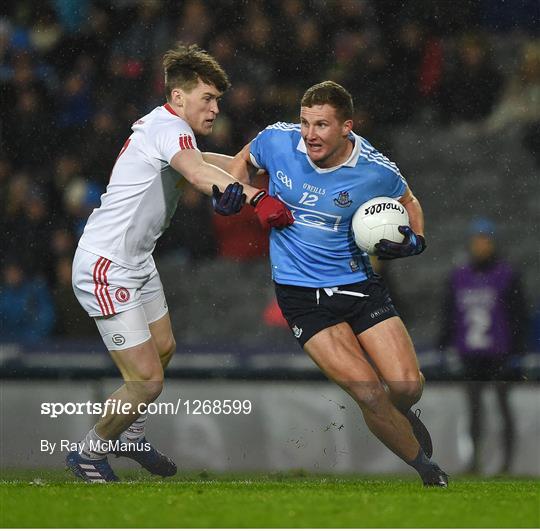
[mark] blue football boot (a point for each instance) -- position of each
(90, 470)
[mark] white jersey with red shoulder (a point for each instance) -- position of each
(143, 191)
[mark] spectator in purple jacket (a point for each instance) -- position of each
(485, 321)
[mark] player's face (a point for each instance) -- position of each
(325, 135)
(200, 107)
(482, 247)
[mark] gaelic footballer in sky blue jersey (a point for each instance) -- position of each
(340, 313)
(318, 250)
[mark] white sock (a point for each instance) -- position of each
(135, 432)
(93, 446)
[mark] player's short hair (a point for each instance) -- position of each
(333, 94)
(185, 65)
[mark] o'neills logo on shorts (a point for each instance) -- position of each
(121, 295)
(379, 311)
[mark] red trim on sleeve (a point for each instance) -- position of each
(185, 142)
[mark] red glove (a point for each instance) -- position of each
(271, 211)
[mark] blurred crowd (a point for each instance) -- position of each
(75, 75)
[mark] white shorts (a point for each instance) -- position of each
(122, 301)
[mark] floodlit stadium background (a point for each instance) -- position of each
(75, 75)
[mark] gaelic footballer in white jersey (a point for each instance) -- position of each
(142, 193)
(114, 275)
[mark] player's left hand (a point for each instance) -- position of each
(411, 245)
(230, 201)
(272, 213)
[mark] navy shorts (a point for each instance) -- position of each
(310, 310)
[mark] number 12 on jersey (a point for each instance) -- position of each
(308, 199)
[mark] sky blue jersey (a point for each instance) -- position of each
(318, 250)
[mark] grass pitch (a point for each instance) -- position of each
(46, 499)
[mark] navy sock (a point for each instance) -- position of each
(421, 463)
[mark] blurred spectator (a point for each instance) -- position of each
(25, 225)
(26, 307)
(273, 316)
(407, 49)
(241, 237)
(72, 14)
(25, 104)
(510, 16)
(148, 35)
(485, 320)
(531, 77)
(242, 105)
(195, 23)
(92, 39)
(35, 222)
(471, 86)
(221, 139)
(223, 48)
(520, 103)
(29, 130)
(277, 330)
(81, 196)
(64, 176)
(102, 144)
(431, 68)
(16, 190)
(531, 141)
(257, 56)
(74, 109)
(27, 214)
(305, 51)
(190, 235)
(46, 33)
(5, 179)
(62, 243)
(71, 320)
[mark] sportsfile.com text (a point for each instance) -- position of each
(115, 407)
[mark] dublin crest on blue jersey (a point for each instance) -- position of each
(343, 200)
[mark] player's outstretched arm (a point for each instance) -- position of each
(241, 166)
(191, 164)
(218, 159)
(207, 177)
(225, 163)
(414, 242)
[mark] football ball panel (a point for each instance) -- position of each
(392, 233)
(376, 219)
